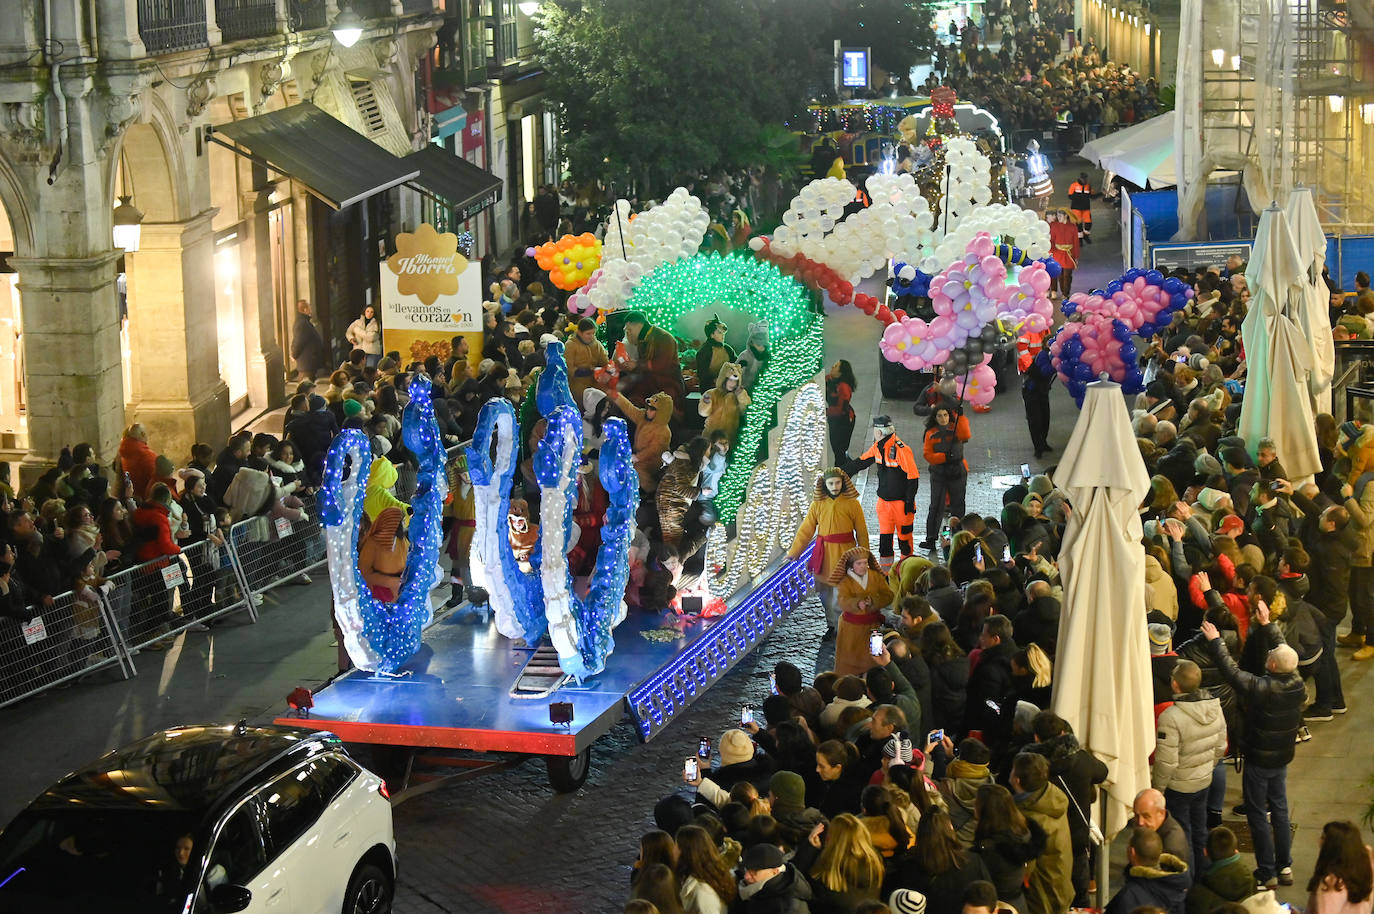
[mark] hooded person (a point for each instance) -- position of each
(863, 594)
(755, 356)
(1077, 772)
(1049, 888)
(723, 406)
(1161, 594)
(899, 479)
(836, 521)
(378, 497)
(787, 802)
(652, 434)
(1154, 879)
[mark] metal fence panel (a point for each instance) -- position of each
(73, 637)
(272, 551)
(169, 595)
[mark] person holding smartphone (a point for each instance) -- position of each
(863, 594)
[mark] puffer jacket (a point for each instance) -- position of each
(1273, 704)
(1196, 650)
(1077, 771)
(1190, 740)
(1007, 856)
(1163, 885)
(1331, 552)
(960, 790)
(1049, 886)
(1297, 619)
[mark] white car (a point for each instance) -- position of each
(207, 820)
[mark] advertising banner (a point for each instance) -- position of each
(430, 294)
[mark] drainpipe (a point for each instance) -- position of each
(55, 75)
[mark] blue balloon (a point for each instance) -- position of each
(1173, 284)
(1052, 267)
(1069, 308)
(1100, 292)
(1147, 330)
(1154, 277)
(1083, 372)
(1121, 332)
(1076, 390)
(1128, 352)
(1178, 301)
(1132, 274)
(1114, 287)
(1073, 348)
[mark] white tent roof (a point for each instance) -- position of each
(1142, 154)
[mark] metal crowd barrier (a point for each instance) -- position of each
(138, 607)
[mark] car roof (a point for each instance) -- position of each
(188, 769)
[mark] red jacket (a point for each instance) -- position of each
(140, 462)
(154, 517)
(1235, 602)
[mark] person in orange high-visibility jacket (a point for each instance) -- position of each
(947, 430)
(1080, 204)
(898, 480)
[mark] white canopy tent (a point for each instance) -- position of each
(1278, 358)
(1142, 154)
(1309, 307)
(1102, 679)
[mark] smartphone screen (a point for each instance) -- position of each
(746, 715)
(935, 736)
(875, 644)
(773, 683)
(1006, 553)
(977, 552)
(704, 747)
(1025, 471)
(689, 769)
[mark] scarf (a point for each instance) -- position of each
(962, 769)
(861, 581)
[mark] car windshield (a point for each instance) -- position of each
(106, 860)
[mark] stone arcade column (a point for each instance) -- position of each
(266, 362)
(177, 391)
(71, 355)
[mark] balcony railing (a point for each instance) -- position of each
(240, 19)
(306, 14)
(410, 7)
(172, 25)
(372, 9)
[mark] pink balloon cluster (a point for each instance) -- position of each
(971, 290)
(1085, 351)
(1138, 302)
(979, 386)
(918, 344)
(580, 302)
(1027, 307)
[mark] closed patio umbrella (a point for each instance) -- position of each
(1102, 676)
(1309, 309)
(1278, 357)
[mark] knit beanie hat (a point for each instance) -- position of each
(1160, 636)
(316, 402)
(788, 789)
(898, 748)
(1041, 485)
(762, 857)
(906, 901)
(352, 407)
(1207, 465)
(162, 466)
(735, 747)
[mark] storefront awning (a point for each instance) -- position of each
(466, 188)
(333, 161)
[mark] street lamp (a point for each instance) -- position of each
(348, 27)
(1218, 56)
(529, 7)
(128, 226)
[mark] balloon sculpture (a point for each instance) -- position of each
(529, 603)
(571, 260)
(382, 635)
(1099, 338)
(976, 311)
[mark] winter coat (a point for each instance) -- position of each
(153, 521)
(949, 692)
(944, 449)
(943, 891)
(139, 461)
(1229, 880)
(1273, 705)
(1163, 885)
(898, 475)
(1331, 553)
(1078, 771)
(960, 790)
(1297, 620)
(1361, 507)
(1160, 592)
(1038, 624)
(307, 346)
(946, 601)
(1196, 650)
(582, 360)
(365, 335)
(839, 516)
(990, 680)
(1007, 857)
(700, 898)
(1050, 886)
(1190, 740)
(786, 893)
(651, 439)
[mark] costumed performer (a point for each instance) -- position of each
(723, 406)
(651, 361)
(652, 434)
(863, 594)
(713, 354)
(836, 521)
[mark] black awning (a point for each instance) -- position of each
(334, 161)
(466, 188)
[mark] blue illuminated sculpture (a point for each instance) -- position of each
(525, 604)
(380, 635)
